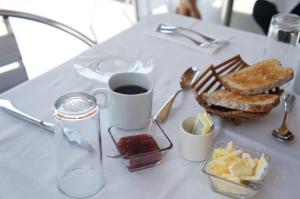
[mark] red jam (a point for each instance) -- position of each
(140, 144)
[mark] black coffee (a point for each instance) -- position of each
(130, 89)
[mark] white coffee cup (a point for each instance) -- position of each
(127, 111)
(194, 147)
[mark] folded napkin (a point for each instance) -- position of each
(181, 40)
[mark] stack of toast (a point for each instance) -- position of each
(248, 93)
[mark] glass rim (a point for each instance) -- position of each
(281, 20)
(82, 114)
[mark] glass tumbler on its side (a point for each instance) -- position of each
(78, 145)
(283, 36)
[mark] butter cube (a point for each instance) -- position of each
(229, 147)
(247, 158)
(240, 168)
(232, 160)
(218, 153)
(218, 168)
(203, 124)
(231, 178)
(262, 164)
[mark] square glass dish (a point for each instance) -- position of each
(142, 148)
(233, 189)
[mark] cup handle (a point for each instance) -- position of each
(103, 92)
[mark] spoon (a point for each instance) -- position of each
(162, 29)
(186, 82)
(172, 28)
(71, 135)
(282, 133)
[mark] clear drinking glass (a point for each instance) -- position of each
(283, 36)
(78, 145)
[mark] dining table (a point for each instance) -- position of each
(27, 152)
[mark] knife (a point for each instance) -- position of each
(72, 136)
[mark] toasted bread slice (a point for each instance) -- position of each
(257, 78)
(252, 103)
(236, 116)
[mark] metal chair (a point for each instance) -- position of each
(12, 69)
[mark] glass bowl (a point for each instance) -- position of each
(102, 66)
(142, 148)
(230, 188)
(112, 64)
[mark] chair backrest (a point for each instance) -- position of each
(12, 70)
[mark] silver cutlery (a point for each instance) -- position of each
(171, 29)
(71, 135)
(186, 81)
(216, 41)
(174, 32)
(283, 133)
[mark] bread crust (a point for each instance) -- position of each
(253, 103)
(237, 116)
(257, 78)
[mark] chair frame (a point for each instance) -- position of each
(23, 15)
(12, 54)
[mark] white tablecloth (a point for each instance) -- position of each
(27, 158)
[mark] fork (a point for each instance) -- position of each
(175, 28)
(171, 29)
